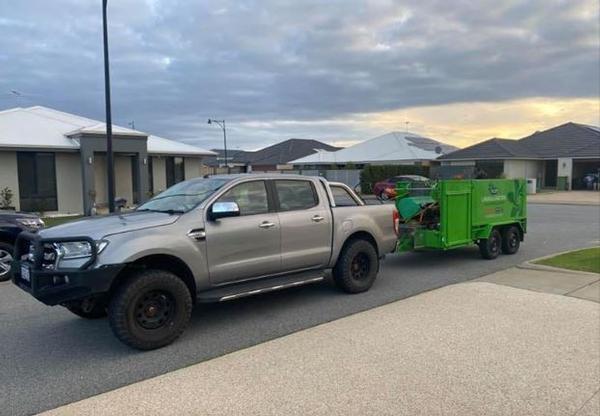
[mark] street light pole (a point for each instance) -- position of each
(109, 151)
(221, 123)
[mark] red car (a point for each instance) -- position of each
(387, 189)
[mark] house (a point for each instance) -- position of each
(56, 162)
(269, 159)
(392, 148)
(559, 156)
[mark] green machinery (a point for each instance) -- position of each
(454, 213)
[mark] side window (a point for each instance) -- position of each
(251, 197)
(342, 198)
(295, 195)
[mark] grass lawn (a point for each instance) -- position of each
(52, 221)
(586, 260)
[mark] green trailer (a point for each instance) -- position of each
(491, 213)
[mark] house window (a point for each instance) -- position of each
(37, 181)
(175, 170)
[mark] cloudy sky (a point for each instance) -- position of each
(340, 71)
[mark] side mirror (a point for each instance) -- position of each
(224, 210)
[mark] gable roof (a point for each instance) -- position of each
(494, 148)
(278, 154)
(235, 156)
(288, 150)
(566, 140)
(390, 147)
(45, 128)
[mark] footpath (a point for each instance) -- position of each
(523, 341)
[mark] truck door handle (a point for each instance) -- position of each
(317, 218)
(197, 234)
(266, 224)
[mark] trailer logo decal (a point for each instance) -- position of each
(493, 189)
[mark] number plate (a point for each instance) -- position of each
(25, 274)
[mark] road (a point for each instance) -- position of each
(49, 357)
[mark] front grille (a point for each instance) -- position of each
(43, 254)
(49, 256)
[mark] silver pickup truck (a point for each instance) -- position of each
(204, 240)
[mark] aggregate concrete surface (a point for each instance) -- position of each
(467, 349)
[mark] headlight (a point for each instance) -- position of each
(78, 249)
(33, 223)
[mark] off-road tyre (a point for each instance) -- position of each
(357, 267)
(95, 310)
(150, 309)
(490, 247)
(511, 240)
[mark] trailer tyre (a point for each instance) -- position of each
(150, 310)
(490, 247)
(357, 266)
(511, 240)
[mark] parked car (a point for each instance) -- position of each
(590, 181)
(11, 224)
(386, 189)
(205, 240)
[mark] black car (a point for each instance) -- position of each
(11, 224)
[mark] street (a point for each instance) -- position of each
(49, 357)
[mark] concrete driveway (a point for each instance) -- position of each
(466, 349)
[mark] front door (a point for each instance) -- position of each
(247, 246)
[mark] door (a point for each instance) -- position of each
(247, 246)
(305, 225)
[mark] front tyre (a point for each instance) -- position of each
(357, 266)
(490, 247)
(150, 310)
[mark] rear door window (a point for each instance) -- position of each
(342, 197)
(295, 195)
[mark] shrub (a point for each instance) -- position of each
(375, 173)
(6, 196)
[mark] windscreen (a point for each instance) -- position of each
(183, 196)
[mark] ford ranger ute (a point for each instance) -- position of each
(204, 240)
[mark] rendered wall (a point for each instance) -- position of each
(159, 174)
(515, 169)
(565, 168)
(9, 176)
(192, 167)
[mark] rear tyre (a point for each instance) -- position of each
(6, 253)
(511, 240)
(150, 310)
(88, 309)
(490, 247)
(356, 269)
